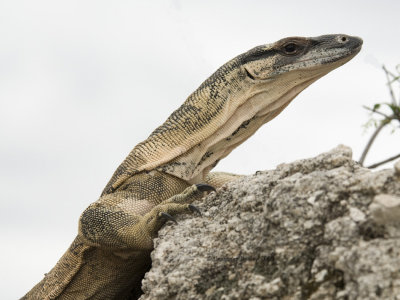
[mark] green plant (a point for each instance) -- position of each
(388, 114)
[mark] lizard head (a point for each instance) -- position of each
(299, 58)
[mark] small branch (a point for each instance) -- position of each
(371, 140)
(377, 112)
(390, 73)
(384, 161)
(398, 72)
(390, 84)
(387, 119)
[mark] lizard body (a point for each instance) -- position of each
(162, 175)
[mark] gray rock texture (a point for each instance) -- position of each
(319, 228)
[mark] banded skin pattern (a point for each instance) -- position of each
(164, 174)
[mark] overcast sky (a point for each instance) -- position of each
(82, 82)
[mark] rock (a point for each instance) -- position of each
(385, 209)
(319, 228)
(397, 168)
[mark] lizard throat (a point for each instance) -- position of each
(260, 107)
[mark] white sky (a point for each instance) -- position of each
(82, 82)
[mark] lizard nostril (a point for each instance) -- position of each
(343, 39)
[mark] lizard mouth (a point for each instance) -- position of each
(304, 64)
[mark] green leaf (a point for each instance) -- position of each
(376, 106)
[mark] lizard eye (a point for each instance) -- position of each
(290, 48)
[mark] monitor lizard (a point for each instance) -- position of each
(164, 174)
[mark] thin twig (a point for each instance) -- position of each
(375, 111)
(398, 72)
(384, 161)
(390, 84)
(385, 121)
(390, 73)
(371, 140)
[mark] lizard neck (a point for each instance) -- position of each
(256, 104)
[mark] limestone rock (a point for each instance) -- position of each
(319, 228)
(397, 167)
(385, 209)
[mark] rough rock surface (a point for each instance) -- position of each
(319, 228)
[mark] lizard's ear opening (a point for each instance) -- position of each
(249, 74)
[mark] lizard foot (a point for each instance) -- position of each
(168, 217)
(190, 194)
(181, 203)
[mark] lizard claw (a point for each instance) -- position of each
(168, 217)
(202, 187)
(194, 209)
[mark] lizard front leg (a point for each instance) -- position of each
(117, 222)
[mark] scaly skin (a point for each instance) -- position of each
(161, 176)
